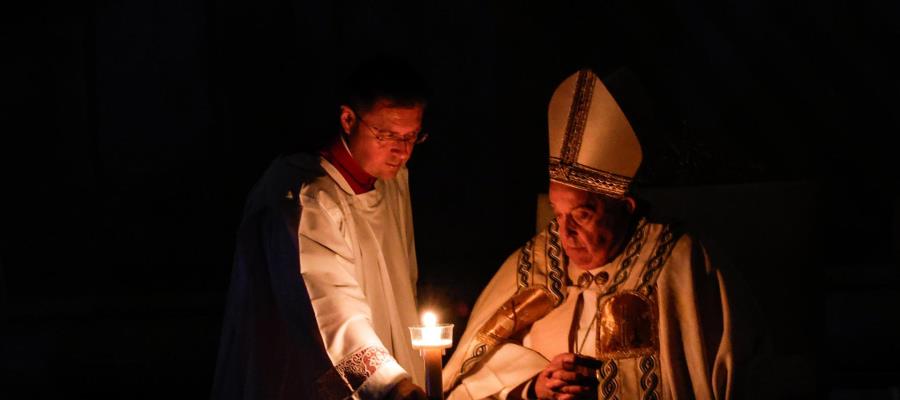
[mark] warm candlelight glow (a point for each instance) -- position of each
(431, 333)
(432, 339)
(429, 319)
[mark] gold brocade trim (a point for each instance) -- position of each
(578, 113)
(478, 350)
(664, 246)
(609, 385)
(517, 314)
(630, 258)
(526, 264)
(649, 378)
(589, 179)
(632, 254)
(555, 256)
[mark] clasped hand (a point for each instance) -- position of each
(564, 379)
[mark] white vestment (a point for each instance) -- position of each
(358, 261)
(684, 343)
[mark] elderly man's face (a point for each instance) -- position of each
(590, 227)
(381, 139)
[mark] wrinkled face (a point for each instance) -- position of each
(378, 157)
(591, 227)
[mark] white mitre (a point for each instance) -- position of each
(592, 145)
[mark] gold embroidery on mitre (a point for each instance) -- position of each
(578, 113)
(590, 179)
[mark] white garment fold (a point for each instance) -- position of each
(357, 258)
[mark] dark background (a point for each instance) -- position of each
(132, 131)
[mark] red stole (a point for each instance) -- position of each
(338, 155)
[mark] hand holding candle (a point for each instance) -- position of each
(431, 339)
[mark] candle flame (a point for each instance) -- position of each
(429, 319)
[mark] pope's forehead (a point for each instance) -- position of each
(560, 193)
(562, 189)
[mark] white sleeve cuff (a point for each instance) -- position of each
(379, 384)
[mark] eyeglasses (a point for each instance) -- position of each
(389, 137)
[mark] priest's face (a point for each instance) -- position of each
(591, 227)
(382, 138)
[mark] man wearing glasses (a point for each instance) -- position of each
(323, 286)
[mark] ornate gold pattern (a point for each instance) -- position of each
(627, 326)
(525, 264)
(649, 379)
(609, 385)
(478, 351)
(664, 246)
(587, 178)
(578, 113)
(554, 254)
(632, 251)
(517, 314)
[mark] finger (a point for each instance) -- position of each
(566, 360)
(564, 375)
(548, 373)
(555, 384)
(574, 389)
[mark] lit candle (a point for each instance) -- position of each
(431, 333)
(431, 339)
